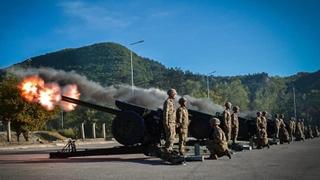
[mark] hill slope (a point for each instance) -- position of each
(109, 64)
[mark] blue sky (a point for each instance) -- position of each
(280, 37)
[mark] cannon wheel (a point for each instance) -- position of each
(128, 128)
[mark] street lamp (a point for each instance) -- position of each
(294, 102)
(132, 85)
(208, 82)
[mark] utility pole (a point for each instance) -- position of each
(208, 90)
(132, 84)
(294, 103)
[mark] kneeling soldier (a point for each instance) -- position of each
(283, 134)
(182, 124)
(217, 143)
(262, 137)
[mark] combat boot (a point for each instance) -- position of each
(228, 154)
(212, 157)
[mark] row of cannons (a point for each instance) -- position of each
(140, 130)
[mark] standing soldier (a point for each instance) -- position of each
(281, 117)
(277, 126)
(291, 128)
(316, 131)
(182, 124)
(169, 119)
(234, 124)
(302, 125)
(264, 119)
(299, 132)
(258, 121)
(226, 121)
(309, 131)
(217, 143)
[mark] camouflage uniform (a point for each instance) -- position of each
(258, 121)
(316, 131)
(217, 143)
(309, 130)
(302, 125)
(234, 124)
(182, 125)
(291, 128)
(169, 122)
(226, 121)
(262, 137)
(283, 134)
(278, 123)
(264, 120)
(299, 132)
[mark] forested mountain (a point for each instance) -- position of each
(109, 64)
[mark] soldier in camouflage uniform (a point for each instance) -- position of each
(182, 124)
(291, 128)
(277, 126)
(302, 125)
(262, 137)
(234, 124)
(264, 120)
(316, 131)
(258, 121)
(309, 131)
(299, 132)
(226, 121)
(169, 119)
(283, 134)
(217, 143)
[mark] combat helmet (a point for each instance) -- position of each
(214, 121)
(171, 91)
(182, 100)
(228, 104)
(236, 108)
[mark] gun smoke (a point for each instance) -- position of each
(91, 91)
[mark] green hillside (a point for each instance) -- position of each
(109, 64)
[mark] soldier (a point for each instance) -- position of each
(264, 119)
(234, 124)
(309, 131)
(226, 121)
(302, 125)
(182, 124)
(291, 128)
(169, 119)
(262, 137)
(258, 121)
(283, 134)
(299, 132)
(277, 126)
(281, 118)
(316, 131)
(217, 143)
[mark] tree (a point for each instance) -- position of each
(235, 92)
(22, 115)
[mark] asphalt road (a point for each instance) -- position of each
(298, 160)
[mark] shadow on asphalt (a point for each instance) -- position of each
(144, 160)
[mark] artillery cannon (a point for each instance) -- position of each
(140, 129)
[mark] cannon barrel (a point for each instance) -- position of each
(90, 105)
